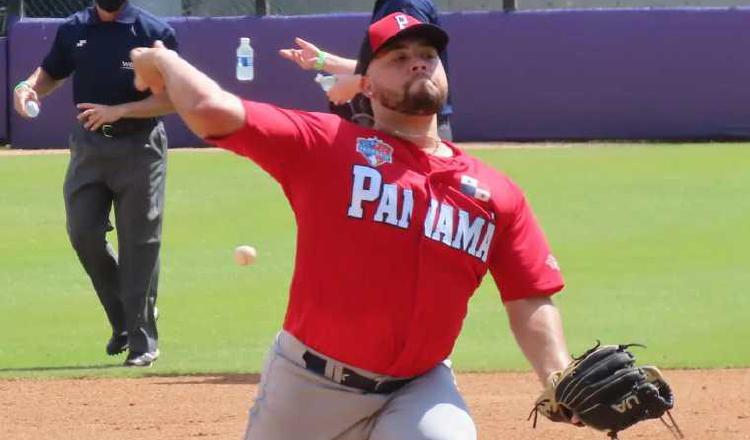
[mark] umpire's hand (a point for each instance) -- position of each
(22, 94)
(93, 116)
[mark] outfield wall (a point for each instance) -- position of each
(4, 89)
(583, 74)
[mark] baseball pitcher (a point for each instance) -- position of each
(395, 231)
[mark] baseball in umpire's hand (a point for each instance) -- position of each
(23, 96)
(145, 65)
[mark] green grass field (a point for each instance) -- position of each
(653, 240)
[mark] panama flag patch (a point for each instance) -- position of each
(375, 151)
(470, 187)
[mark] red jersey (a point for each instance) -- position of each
(391, 242)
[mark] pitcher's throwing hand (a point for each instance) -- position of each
(145, 65)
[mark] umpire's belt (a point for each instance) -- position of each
(124, 127)
(350, 378)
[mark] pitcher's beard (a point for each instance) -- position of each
(421, 97)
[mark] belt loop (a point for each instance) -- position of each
(330, 372)
(378, 383)
(337, 372)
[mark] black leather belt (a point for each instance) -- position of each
(124, 127)
(350, 378)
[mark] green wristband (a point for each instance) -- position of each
(22, 84)
(321, 61)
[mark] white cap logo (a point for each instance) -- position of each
(402, 21)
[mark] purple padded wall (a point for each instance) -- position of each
(4, 104)
(614, 74)
(617, 74)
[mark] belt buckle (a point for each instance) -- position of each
(107, 130)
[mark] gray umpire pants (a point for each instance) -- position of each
(127, 172)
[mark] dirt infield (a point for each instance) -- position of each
(711, 405)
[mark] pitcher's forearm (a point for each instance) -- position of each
(537, 327)
(205, 107)
(335, 64)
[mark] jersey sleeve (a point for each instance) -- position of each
(279, 140)
(521, 261)
(59, 63)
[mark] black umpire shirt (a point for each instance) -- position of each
(99, 53)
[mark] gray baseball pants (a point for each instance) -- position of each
(127, 172)
(294, 403)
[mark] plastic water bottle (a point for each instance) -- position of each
(245, 61)
(32, 108)
(326, 81)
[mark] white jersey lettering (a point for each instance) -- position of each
(429, 221)
(443, 223)
(388, 208)
(484, 249)
(444, 226)
(467, 234)
(366, 188)
(407, 209)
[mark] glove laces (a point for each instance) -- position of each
(673, 428)
(535, 411)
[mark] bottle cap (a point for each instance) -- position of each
(245, 40)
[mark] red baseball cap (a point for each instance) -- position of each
(400, 25)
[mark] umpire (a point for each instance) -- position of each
(118, 157)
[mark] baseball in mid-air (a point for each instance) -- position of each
(245, 255)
